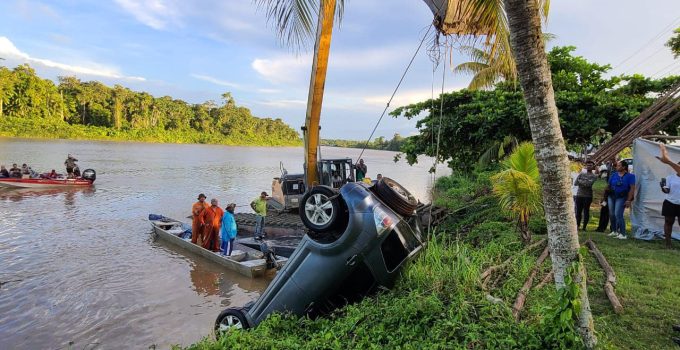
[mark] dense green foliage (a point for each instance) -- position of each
(35, 107)
(379, 143)
(674, 43)
(591, 108)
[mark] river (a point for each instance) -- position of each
(80, 266)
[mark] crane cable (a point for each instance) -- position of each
(439, 134)
(395, 91)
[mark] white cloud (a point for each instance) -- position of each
(9, 51)
(289, 68)
(283, 103)
(268, 91)
(283, 69)
(215, 81)
(402, 98)
(156, 14)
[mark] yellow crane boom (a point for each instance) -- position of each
(322, 47)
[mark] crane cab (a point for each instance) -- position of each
(335, 173)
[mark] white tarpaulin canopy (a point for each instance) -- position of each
(645, 215)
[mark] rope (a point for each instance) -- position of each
(439, 136)
(395, 91)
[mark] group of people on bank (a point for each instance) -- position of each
(620, 194)
(26, 172)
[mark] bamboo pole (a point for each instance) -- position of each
(610, 280)
(522, 296)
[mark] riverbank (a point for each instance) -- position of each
(441, 302)
(56, 129)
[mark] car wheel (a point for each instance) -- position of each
(396, 196)
(320, 209)
(228, 320)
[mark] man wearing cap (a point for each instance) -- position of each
(197, 222)
(259, 205)
(229, 230)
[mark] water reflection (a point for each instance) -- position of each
(206, 282)
(20, 194)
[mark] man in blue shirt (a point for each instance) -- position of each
(621, 191)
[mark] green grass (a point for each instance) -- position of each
(648, 286)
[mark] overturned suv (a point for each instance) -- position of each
(359, 238)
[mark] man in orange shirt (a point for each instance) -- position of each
(197, 222)
(212, 217)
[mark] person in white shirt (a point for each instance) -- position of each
(671, 187)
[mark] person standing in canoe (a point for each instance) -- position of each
(212, 217)
(197, 222)
(229, 230)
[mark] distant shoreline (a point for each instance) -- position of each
(51, 130)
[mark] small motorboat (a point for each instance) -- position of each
(87, 179)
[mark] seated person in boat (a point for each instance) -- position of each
(3, 171)
(197, 223)
(212, 217)
(14, 171)
(53, 174)
(229, 230)
(25, 171)
(76, 171)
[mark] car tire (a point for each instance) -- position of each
(228, 320)
(321, 209)
(396, 196)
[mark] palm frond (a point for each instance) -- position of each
(522, 159)
(470, 67)
(295, 20)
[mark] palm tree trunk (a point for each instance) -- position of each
(551, 154)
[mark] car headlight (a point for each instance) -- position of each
(382, 220)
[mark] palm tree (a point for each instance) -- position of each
(517, 187)
(551, 153)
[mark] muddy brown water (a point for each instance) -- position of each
(80, 265)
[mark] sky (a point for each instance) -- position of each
(197, 50)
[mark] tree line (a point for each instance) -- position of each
(81, 108)
(380, 143)
(592, 107)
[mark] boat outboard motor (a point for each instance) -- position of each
(89, 174)
(270, 256)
